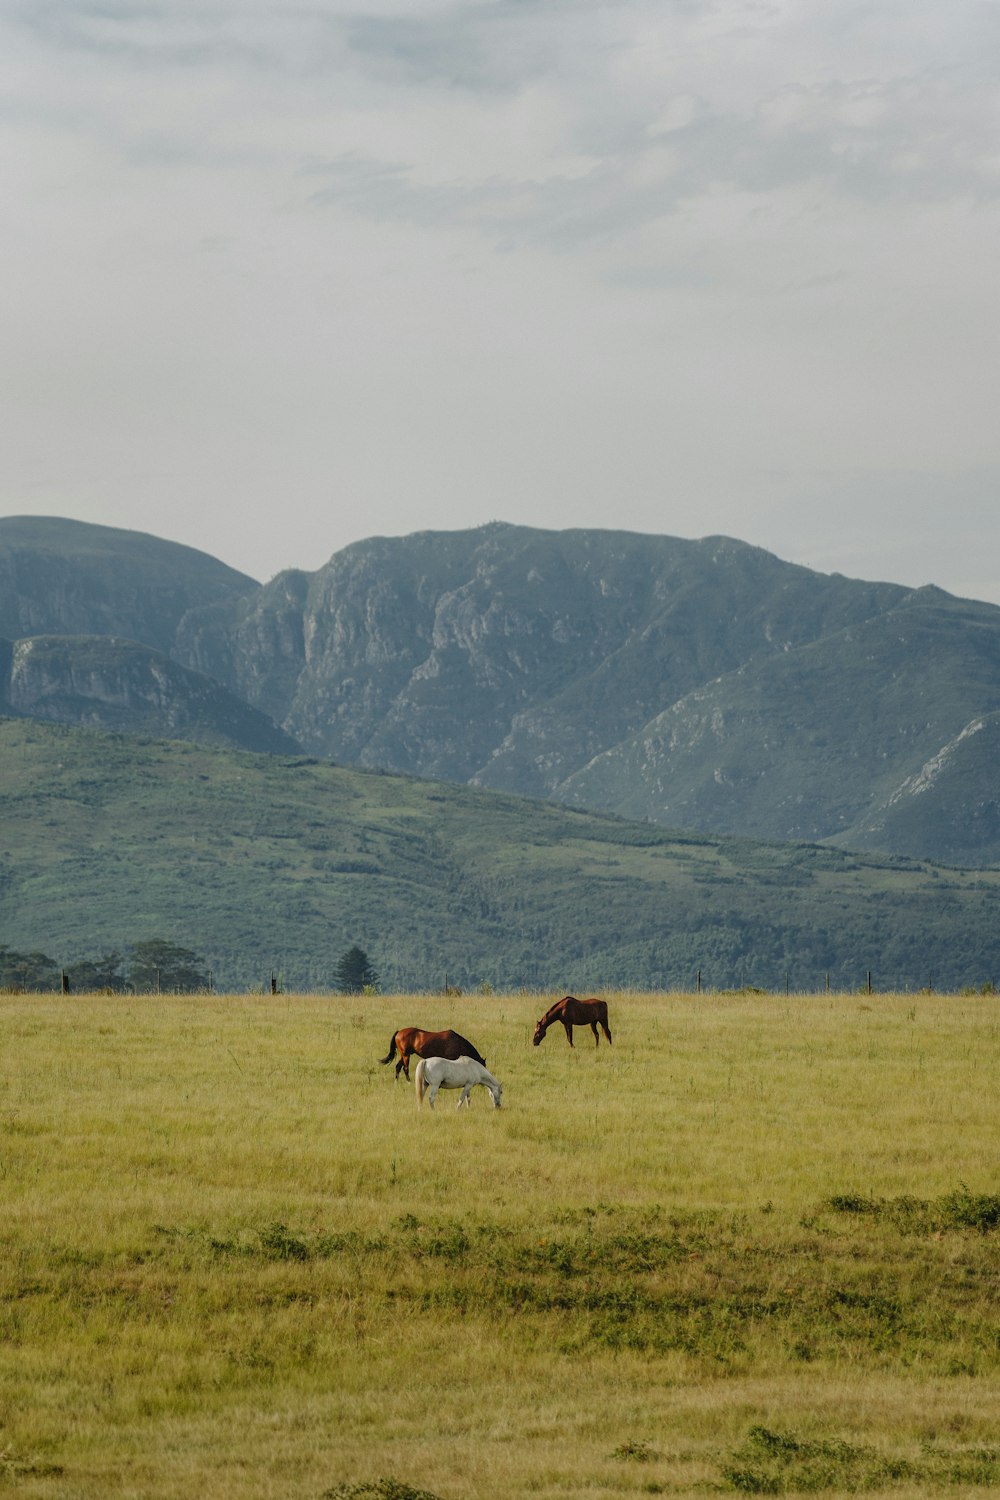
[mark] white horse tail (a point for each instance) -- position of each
(418, 1079)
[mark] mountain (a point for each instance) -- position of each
(705, 684)
(698, 684)
(952, 802)
(506, 656)
(113, 684)
(261, 862)
(91, 615)
(814, 742)
(66, 578)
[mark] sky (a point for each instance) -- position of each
(278, 277)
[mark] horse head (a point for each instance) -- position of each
(540, 1029)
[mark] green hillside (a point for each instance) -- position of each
(259, 862)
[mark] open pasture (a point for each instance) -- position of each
(750, 1248)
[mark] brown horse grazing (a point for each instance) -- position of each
(410, 1040)
(573, 1012)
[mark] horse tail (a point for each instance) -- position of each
(391, 1053)
(418, 1079)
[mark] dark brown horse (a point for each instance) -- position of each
(410, 1040)
(573, 1012)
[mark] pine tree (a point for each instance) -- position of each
(354, 973)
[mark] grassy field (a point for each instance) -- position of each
(753, 1248)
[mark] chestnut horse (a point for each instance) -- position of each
(573, 1012)
(410, 1040)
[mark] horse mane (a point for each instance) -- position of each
(553, 1010)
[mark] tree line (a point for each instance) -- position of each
(154, 967)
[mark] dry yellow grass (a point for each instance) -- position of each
(237, 1261)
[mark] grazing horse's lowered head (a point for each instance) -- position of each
(573, 1012)
(410, 1039)
(433, 1073)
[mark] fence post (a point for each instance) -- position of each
(274, 983)
(869, 981)
(64, 982)
(699, 981)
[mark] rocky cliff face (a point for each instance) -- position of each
(254, 643)
(111, 684)
(510, 656)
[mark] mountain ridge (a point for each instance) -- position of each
(704, 682)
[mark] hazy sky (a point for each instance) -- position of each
(279, 276)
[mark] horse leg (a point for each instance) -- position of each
(607, 1033)
(433, 1094)
(569, 1031)
(597, 1039)
(463, 1097)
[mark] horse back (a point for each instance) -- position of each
(464, 1048)
(580, 1012)
(449, 1044)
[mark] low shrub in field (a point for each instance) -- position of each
(378, 1489)
(777, 1463)
(636, 1452)
(14, 1469)
(774, 1463)
(958, 1210)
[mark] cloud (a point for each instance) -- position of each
(638, 105)
(461, 250)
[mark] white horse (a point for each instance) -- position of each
(463, 1073)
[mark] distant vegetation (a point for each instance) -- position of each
(261, 864)
(150, 967)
